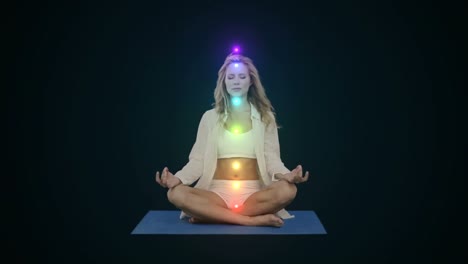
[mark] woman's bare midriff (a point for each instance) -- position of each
(236, 169)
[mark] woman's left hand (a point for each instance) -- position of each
(295, 176)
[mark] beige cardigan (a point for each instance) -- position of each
(203, 156)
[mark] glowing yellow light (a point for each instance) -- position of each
(236, 165)
(236, 130)
(236, 185)
(236, 206)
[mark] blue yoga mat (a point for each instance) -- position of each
(168, 223)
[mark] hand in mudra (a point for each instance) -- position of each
(167, 180)
(295, 176)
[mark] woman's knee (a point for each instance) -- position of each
(177, 195)
(286, 192)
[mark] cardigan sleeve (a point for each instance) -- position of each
(193, 170)
(273, 161)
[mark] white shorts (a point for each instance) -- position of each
(233, 192)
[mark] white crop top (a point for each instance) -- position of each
(232, 145)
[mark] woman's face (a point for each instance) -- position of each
(237, 79)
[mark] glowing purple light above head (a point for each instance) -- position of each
(236, 51)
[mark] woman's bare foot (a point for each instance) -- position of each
(267, 220)
(194, 220)
(259, 220)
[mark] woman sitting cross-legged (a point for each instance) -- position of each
(236, 157)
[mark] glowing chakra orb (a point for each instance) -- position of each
(236, 101)
(236, 165)
(236, 65)
(236, 185)
(236, 206)
(236, 129)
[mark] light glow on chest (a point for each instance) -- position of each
(236, 129)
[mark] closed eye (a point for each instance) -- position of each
(242, 76)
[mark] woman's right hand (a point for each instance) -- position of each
(167, 180)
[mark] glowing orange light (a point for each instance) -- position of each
(236, 185)
(236, 165)
(236, 206)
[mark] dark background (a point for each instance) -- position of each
(104, 94)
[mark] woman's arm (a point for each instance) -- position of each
(193, 170)
(274, 164)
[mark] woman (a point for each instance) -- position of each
(235, 158)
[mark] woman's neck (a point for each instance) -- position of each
(240, 104)
(240, 109)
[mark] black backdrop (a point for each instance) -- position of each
(105, 94)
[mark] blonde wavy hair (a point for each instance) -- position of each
(256, 94)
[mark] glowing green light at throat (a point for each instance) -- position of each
(236, 101)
